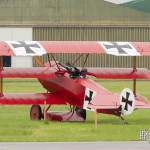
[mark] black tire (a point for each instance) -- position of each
(36, 112)
(81, 112)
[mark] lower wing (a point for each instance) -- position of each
(29, 99)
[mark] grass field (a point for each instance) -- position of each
(15, 124)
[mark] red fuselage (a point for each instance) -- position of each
(65, 87)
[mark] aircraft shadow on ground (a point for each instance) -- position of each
(118, 121)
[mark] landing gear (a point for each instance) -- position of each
(81, 112)
(36, 112)
(76, 114)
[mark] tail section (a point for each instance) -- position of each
(127, 102)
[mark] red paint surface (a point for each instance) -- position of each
(76, 47)
(105, 73)
(65, 90)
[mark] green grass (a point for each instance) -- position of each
(15, 124)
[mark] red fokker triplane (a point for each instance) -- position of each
(68, 84)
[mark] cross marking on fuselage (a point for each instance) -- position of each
(89, 98)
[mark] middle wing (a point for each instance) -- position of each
(48, 72)
(119, 73)
(37, 72)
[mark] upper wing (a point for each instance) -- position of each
(38, 48)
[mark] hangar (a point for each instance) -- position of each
(76, 20)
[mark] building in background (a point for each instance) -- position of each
(77, 20)
(12, 34)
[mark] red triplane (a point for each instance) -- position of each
(68, 84)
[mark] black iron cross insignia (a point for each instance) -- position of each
(126, 101)
(26, 46)
(120, 48)
(89, 97)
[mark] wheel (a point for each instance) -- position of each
(81, 112)
(36, 112)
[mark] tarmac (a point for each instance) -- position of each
(128, 145)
